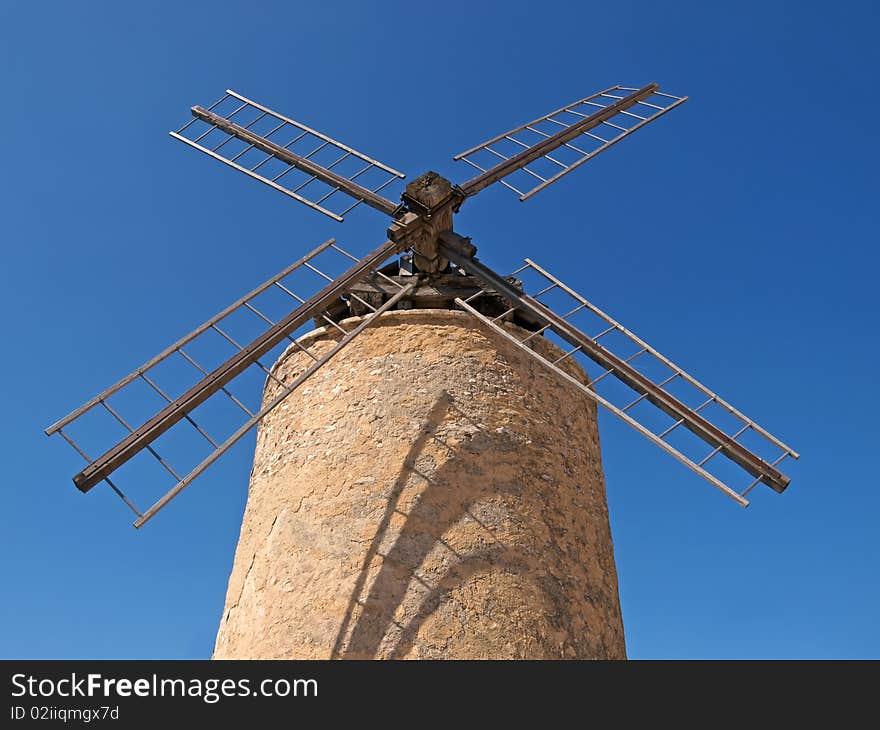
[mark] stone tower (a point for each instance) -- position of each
(431, 492)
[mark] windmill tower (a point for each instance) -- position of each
(427, 478)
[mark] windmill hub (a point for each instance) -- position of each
(429, 202)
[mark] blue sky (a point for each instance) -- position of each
(738, 235)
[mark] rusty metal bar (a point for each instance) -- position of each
(199, 393)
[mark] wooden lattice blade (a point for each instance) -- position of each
(271, 405)
(645, 391)
(217, 381)
(546, 149)
(288, 156)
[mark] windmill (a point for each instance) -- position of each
(199, 389)
(333, 179)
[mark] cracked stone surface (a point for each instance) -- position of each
(431, 492)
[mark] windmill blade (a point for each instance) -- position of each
(530, 157)
(661, 407)
(220, 382)
(288, 156)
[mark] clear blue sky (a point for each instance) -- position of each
(738, 235)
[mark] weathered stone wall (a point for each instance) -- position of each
(431, 492)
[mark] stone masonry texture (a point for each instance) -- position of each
(431, 492)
